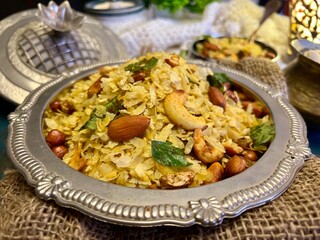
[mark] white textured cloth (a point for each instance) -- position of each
(225, 18)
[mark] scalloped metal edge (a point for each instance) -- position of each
(206, 212)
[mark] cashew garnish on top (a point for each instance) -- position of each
(205, 152)
(178, 114)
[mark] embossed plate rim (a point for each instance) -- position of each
(206, 205)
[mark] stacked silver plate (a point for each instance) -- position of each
(34, 54)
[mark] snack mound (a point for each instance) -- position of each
(157, 122)
(231, 48)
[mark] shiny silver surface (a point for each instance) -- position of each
(61, 18)
(264, 46)
(206, 205)
(34, 54)
(113, 8)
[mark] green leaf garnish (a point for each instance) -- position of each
(143, 65)
(262, 134)
(217, 80)
(183, 53)
(168, 155)
(112, 106)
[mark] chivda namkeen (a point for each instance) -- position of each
(157, 122)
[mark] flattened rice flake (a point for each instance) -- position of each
(130, 163)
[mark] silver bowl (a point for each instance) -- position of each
(269, 49)
(206, 205)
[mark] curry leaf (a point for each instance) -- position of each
(112, 106)
(168, 155)
(262, 134)
(217, 80)
(143, 65)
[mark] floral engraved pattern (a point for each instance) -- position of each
(207, 211)
(51, 185)
(299, 149)
(19, 115)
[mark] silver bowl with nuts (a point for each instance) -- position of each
(151, 142)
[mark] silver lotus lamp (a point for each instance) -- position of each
(60, 18)
(42, 44)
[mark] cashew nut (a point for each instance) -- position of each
(205, 152)
(178, 114)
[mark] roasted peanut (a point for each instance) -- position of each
(235, 165)
(67, 107)
(256, 108)
(216, 97)
(250, 155)
(55, 138)
(55, 106)
(139, 76)
(59, 151)
(216, 171)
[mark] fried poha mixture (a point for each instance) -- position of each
(157, 122)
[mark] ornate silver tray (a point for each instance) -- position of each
(35, 54)
(206, 205)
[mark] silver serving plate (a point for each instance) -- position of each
(205, 205)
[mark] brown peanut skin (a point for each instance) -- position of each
(139, 76)
(59, 151)
(216, 97)
(55, 138)
(67, 107)
(235, 165)
(250, 155)
(217, 172)
(55, 106)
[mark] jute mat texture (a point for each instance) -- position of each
(293, 215)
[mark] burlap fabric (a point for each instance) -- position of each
(293, 215)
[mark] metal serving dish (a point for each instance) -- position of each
(193, 48)
(207, 205)
(34, 54)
